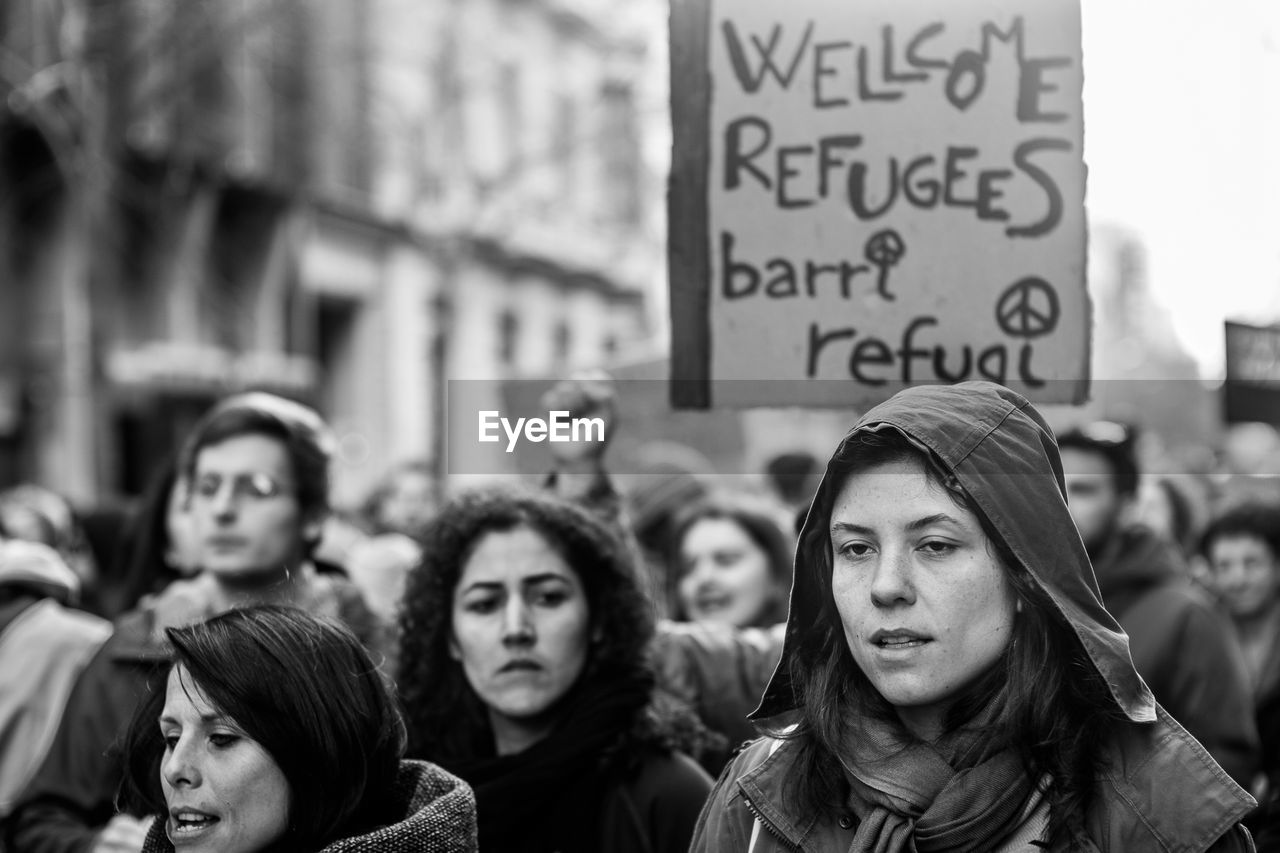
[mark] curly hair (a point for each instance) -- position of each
(1046, 700)
(447, 720)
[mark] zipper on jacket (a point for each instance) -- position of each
(767, 824)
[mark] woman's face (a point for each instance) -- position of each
(1245, 574)
(521, 628)
(925, 605)
(224, 792)
(724, 575)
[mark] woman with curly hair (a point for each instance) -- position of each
(950, 680)
(524, 639)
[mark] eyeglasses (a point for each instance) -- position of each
(256, 485)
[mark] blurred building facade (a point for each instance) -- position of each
(349, 202)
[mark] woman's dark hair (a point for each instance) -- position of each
(761, 528)
(1043, 698)
(307, 440)
(447, 720)
(1252, 518)
(306, 690)
(141, 560)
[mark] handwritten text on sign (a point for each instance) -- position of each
(896, 195)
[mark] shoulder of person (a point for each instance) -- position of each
(1197, 802)
(670, 775)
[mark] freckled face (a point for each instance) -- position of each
(925, 605)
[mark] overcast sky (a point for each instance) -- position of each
(1182, 137)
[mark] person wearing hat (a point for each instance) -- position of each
(950, 680)
(44, 645)
(258, 469)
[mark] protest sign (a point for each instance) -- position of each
(875, 193)
(1251, 391)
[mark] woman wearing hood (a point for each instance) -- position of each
(950, 680)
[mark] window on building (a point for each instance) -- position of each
(562, 341)
(620, 155)
(512, 121)
(564, 145)
(508, 337)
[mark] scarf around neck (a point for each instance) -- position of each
(909, 796)
(548, 797)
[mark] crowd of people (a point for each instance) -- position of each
(963, 634)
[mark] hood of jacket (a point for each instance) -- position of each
(1004, 454)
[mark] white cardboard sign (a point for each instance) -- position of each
(876, 193)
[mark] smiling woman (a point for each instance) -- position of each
(950, 680)
(275, 731)
(525, 640)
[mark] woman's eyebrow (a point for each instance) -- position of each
(534, 580)
(930, 520)
(848, 527)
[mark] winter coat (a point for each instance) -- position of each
(655, 810)
(1182, 646)
(434, 812)
(43, 649)
(1157, 796)
(72, 794)
(1160, 792)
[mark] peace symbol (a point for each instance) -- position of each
(1028, 308)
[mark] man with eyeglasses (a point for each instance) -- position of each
(1181, 646)
(258, 466)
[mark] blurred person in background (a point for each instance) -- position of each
(44, 646)
(731, 562)
(1164, 508)
(1242, 547)
(274, 730)
(258, 468)
(37, 514)
(524, 643)
(951, 680)
(1183, 648)
(403, 501)
(158, 546)
(716, 669)
(793, 477)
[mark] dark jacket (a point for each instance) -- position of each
(1162, 791)
(435, 812)
(72, 795)
(1153, 799)
(655, 810)
(1184, 649)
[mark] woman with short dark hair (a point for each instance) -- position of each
(950, 680)
(730, 563)
(275, 731)
(524, 642)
